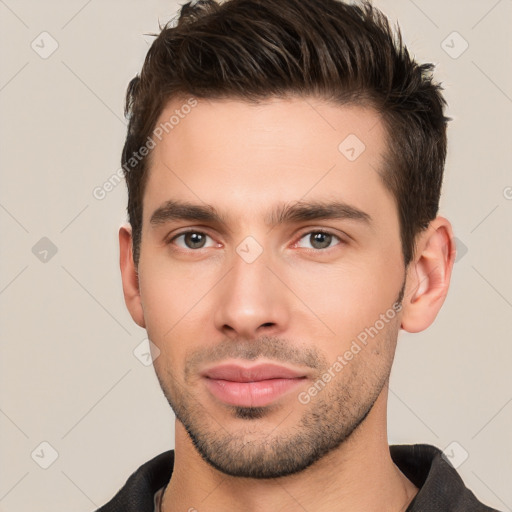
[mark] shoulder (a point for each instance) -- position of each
(440, 486)
(138, 492)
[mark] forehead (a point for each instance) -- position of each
(246, 157)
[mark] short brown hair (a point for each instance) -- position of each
(258, 49)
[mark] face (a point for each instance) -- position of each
(269, 270)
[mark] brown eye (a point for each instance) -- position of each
(194, 240)
(191, 240)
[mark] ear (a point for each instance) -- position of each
(428, 275)
(129, 276)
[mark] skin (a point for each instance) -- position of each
(295, 302)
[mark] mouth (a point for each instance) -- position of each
(254, 386)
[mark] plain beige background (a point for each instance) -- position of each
(69, 377)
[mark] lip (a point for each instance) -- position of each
(253, 386)
(259, 372)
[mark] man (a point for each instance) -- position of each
(284, 163)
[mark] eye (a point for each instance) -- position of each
(191, 240)
(319, 240)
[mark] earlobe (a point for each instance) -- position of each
(129, 276)
(428, 276)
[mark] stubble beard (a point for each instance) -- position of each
(256, 451)
(326, 422)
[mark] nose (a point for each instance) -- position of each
(252, 300)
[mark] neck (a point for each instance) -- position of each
(358, 476)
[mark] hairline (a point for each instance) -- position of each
(362, 99)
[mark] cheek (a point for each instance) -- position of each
(170, 291)
(174, 298)
(350, 295)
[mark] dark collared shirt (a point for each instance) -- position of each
(440, 486)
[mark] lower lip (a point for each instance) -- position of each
(250, 394)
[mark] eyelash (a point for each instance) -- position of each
(324, 232)
(314, 231)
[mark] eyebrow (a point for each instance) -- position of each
(299, 211)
